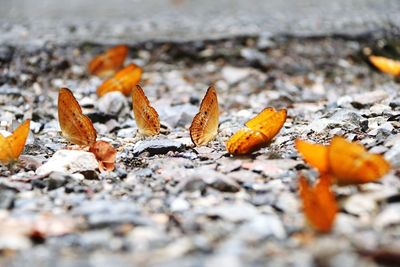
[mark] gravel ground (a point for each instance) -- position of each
(171, 204)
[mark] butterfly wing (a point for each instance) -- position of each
(350, 163)
(314, 154)
(6, 154)
(146, 116)
(205, 124)
(105, 65)
(386, 65)
(269, 122)
(260, 118)
(18, 139)
(124, 81)
(261, 130)
(319, 203)
(246, 141)
(76, 127)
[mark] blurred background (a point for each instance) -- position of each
(130, 21)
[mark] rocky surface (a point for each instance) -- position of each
(169, 203)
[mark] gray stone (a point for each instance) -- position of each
(105, 220)
(69, 161)
(217, 180)
(344, 118)
(234, 212)
(393, 155)
(389, 216)
(156, 146)
(114, 103)
(287, 202)
(371, 97)
(262, 227)
(233, 75)
(178, 115)
(7, 196)
(57, 179)
(127, 133)
(191, 184)
(179, 204)
(359, 204)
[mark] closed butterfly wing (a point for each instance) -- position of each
(260, 118)
(105, 154)
(246, 141)
(205, 124)
(6, 154)
(350, 163)
(76, 127)
(261, 130)
(105, 65)
(314, 154)
(18, 139)
(269, 122)
(12, 146)
(319, 203)
(386, 65)
(124, 81)
(146, 116)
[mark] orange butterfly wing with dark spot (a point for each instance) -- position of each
(314, 154)
(269, 122)
(246, 141)
(261, 130)
(12, 146)
(386, 65)
(124, 81)
(205, 124)
(350, 163)
(319, 203)
(258, 120)
(106, 64)
(105, 154)
(146, 116)
(76, 127)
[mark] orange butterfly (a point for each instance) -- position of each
(259, 132)
(146, 116)
(386, 65)
(106, 64)
(12, 146)
(347, 162)
(124, 81)
(319, 203)
(105, 154)
(78, 129)
(205, 124)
